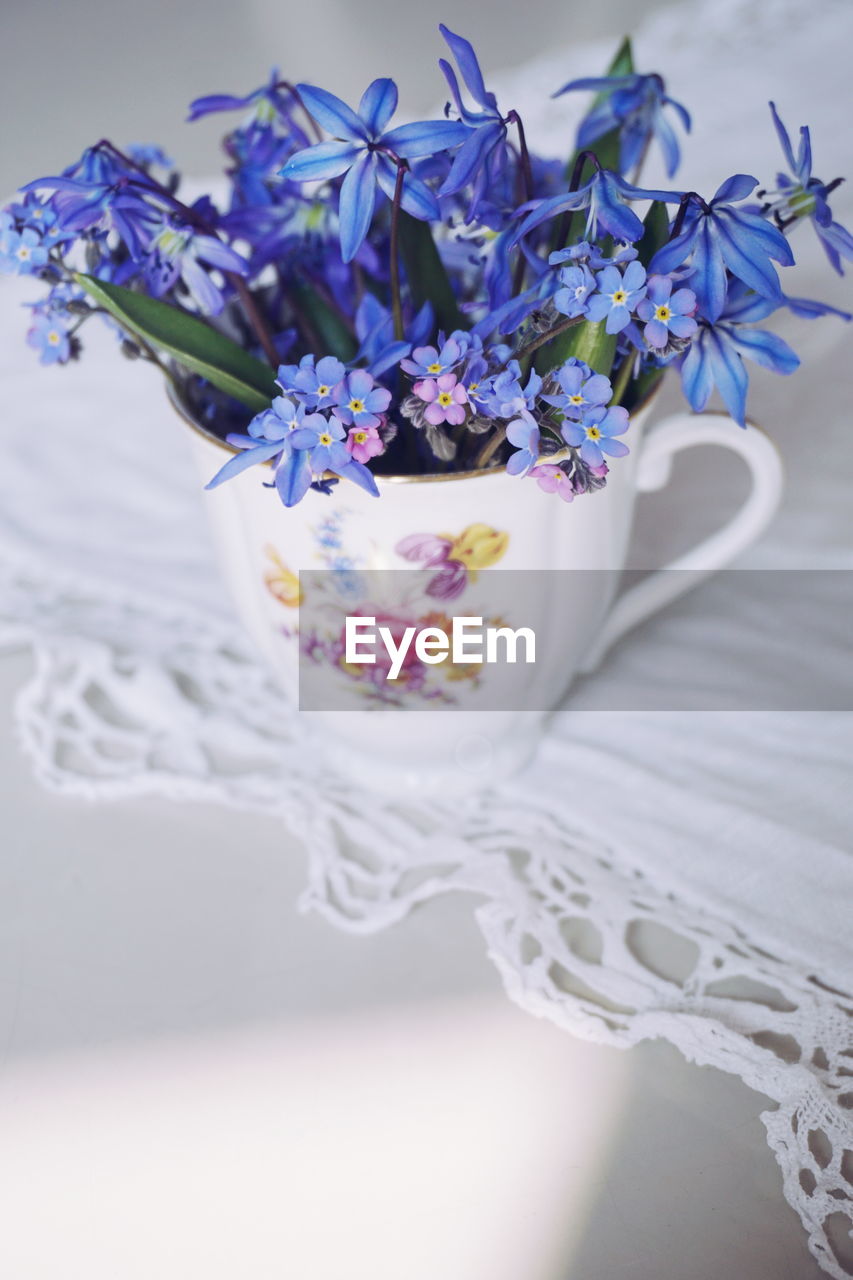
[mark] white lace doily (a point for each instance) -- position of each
(657, 874)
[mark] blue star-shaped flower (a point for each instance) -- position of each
(804, 196)
(720, 235)
(715, 357)
(367, 153)
(634, 105)
(605, 197)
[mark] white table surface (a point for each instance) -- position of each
(199, 1081)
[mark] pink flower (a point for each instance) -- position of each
(364, 443)
(553, 480)
(446, 398)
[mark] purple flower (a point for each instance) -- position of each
(49, 335)
(359, 401)
(434, 552)
(524, 434)
(581, 389)
(595, 434)
(445, 398)
(363, 149)
(633, 104)
(617, 296)
(666, 312)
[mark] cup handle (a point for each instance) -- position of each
(683, 431)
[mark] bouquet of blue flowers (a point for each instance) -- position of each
(423, 297)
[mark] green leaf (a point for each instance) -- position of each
(426, 274)
(588, 342)
(191, 341)
(623, 62)
(334, 337)
(656, 224)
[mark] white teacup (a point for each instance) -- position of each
(473, 522)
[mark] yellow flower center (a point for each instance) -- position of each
(23, 253)
(325, 438)
(619, 297)
(357, 406)
(434, 368)
(473, 387)
(593, 433)
(662, 312)
(54, 338)
(360, 436)
(323, 390)
(445, 399)
(578, 399)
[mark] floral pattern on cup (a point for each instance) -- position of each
(457, 559)
(280, 581)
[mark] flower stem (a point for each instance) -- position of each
(542, 338)
(564, 225)
(682, 212)
(623, 377)
(253, 314)
(285, 84)
(396, 301)
(526, 167)
(490, 448)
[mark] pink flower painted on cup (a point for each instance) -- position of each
(458, 559)
(445, 398)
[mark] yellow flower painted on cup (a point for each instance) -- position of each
(281, 581)
(477, 547)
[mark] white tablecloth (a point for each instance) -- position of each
(728, 834)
